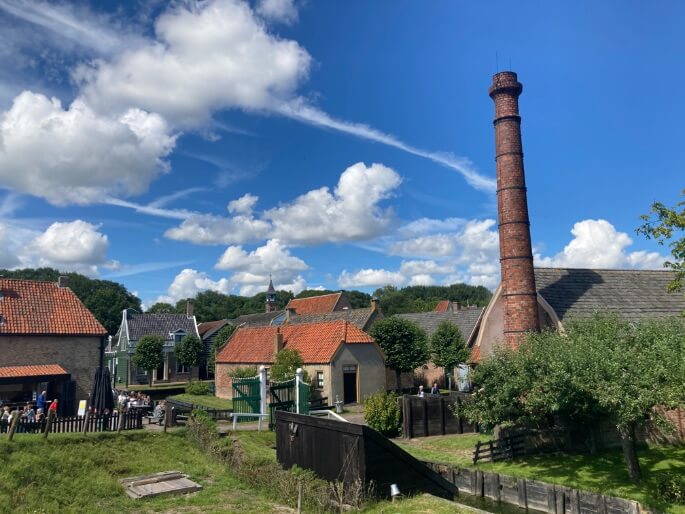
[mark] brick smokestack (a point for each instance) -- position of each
(516, 256)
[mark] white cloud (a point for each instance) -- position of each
(76, 156)
(410, 268)
(297, 285)
(215, 55)
(423, 279)
(243, 205)
(278, 10)
(370, 278)
(597, 244)
(273, 257)
(8, 253)
(349, 213)
(189, 282)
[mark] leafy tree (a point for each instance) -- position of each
(218, 341)
(285, 365)
(447, 346)
(602, 368)
(382, 413)
(188, 351)
(243, 372)
(667, 225)
(403, 342)
(425, 298)
(161, 308)
(149, 354)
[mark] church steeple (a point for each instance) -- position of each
(271, 296)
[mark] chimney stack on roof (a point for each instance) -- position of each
(63, 281)
(516, 256)
(189, 307)
(278, 342)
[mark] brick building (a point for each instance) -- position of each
(48, 341)
(341, 359)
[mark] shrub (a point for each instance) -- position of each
(245, 372)
(197, 388)
(670, 487)
(382, 413)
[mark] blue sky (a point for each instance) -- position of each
(177, 147)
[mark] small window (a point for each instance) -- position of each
(182, 368)
(319, 379)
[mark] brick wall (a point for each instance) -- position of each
(79, 356)
(516, 256)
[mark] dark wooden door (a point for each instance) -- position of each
(350, 384)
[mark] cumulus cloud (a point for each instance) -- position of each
(283, 11)
(597, 244)
(273, 257)
(189, 282)
(205, 58)
(370, 278)
(77, 156)
(350, 212)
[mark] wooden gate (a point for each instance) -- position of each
(246, 397)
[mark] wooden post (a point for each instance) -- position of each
(120, 424)
(460, 420)
(442, 415)
(168, 412)
(86, 419)
(476, 453)
(48, 425)
(13, 425)
(424, 401)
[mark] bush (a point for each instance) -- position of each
(197, 388)
(670, 488)
(382, 413)
(246, 372)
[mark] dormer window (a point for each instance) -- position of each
(177, 336)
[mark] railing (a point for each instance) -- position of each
(506, 448)
(133, 420)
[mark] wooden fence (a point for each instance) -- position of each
(133, 420)
(532, 494)
(506, 448)
(433, 415)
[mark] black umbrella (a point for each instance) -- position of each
(101, 398)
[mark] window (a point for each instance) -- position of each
(319, 379)
(182, 368)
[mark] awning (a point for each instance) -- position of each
(38, 371)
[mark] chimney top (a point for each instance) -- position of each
(505, 82)
(63, 281)
(189, 307)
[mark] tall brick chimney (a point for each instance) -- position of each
(516, 255)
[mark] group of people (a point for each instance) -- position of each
(28, 412)
(128, 399)
(435, 390)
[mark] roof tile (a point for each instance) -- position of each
(39, 370)
(315, 304)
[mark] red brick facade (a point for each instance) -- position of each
(516, 256)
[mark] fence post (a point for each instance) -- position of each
(442, 415)
(298, 378)
(460, 420)
(48, 425)
(120, 420)
(86, 418)
(13, 425)
(262, 390)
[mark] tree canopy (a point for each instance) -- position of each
(403, 342)
(425, 298)
(666, 225)
(188, 351)
(218, 341)
(285, 365)
(447, 346)
(602, 368)
(104, 298)
(149, 354)
(161, 308)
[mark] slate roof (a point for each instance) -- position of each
(357, 317)
(316, 342)
(39, 370)
(42, 308)
(466, 319)
(140, 325)
(633, 294)
(315, 304)
(259, 319)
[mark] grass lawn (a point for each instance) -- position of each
(205, 400)
(605, 472)
(73, 473)
(422, 504)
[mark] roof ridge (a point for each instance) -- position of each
(316, 296)
(52, 282)
(626, 270)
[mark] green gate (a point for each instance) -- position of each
(246, 397)
(283, 396)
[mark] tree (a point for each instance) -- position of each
(601, 368)
(218, 341)
(666, 224)
(161, 308)
(425, 298)
(447, 346)
(285, 365)
(149, 354)
(188, 351)
(403, 342)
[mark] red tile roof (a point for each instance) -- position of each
(40, 370)
(316, 342)
(315, 304)
(33, 307)
(442, 306)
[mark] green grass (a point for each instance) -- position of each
(423, 504)
(73, 473)
(205, 400)
(605, 472)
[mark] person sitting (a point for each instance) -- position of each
(30, 414)
(435, 390)
(158, 413)
(420, 395)
(39, 416)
